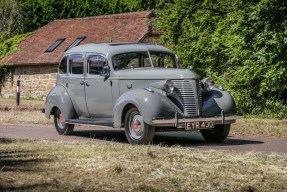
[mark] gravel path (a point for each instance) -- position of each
(185, 139)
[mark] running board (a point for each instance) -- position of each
(92, 122)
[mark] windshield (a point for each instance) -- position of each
(142, 59)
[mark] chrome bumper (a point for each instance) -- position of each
(180, 123)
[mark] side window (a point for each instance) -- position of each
(96, 64)
(131, 60)
(76, 64)
(63, 66)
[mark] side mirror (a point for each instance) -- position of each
(106, 70)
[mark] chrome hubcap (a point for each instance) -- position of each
(136, 126)
(61, 120)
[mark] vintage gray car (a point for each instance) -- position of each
(139, 87)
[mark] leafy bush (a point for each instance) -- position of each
(241, 44)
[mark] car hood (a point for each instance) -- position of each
(156, 73)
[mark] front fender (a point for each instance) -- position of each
(217, 101)
(149, 103)
(60, 98)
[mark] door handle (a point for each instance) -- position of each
(82, 82)
(129, 85)
(87, 83)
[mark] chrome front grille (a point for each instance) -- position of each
(189, 94)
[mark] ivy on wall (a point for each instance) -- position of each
(5, 71)
(7, 47)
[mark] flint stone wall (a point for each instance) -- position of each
(35, 81)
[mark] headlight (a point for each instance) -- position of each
(207, 84)
(169, 86)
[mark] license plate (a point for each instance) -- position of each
(199, 125)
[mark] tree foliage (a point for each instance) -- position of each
(10, 19)
(18, 16)
(241, 44)
(40, 12)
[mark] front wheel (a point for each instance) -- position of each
(62, 127)
(136, 130)
(216, 135)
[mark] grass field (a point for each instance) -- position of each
(55, 166)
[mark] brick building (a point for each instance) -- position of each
(37, 57)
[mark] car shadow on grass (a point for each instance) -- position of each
(192, 139)
(104, 135)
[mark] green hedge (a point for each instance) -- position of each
(240, 44)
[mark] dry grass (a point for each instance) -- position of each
(25, 105)
(54, 166)
(23, 117)
(29, 112)
(260, 127)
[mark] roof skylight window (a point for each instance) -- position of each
(76, 42)
(55, 45)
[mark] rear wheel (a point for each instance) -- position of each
(136, 130)
(62, 127)
(216, 135)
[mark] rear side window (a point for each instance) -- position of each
(63, 66)
(96, 64)
(76, 64)
(131, 60)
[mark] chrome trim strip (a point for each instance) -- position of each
(176, 119)
(223, 116)
(198, 98)
(181, 122)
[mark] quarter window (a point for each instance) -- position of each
(96, 64)
(76, 64)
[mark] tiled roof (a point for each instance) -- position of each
(131, 27)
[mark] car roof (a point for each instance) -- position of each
(116, 48)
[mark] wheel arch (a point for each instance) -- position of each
(59, 98)
(149, 104)
(124, 112)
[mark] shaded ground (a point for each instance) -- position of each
(186, 139)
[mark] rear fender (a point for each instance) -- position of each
(59, 98)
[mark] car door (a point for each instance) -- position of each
(98, 89)
(76, 83)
